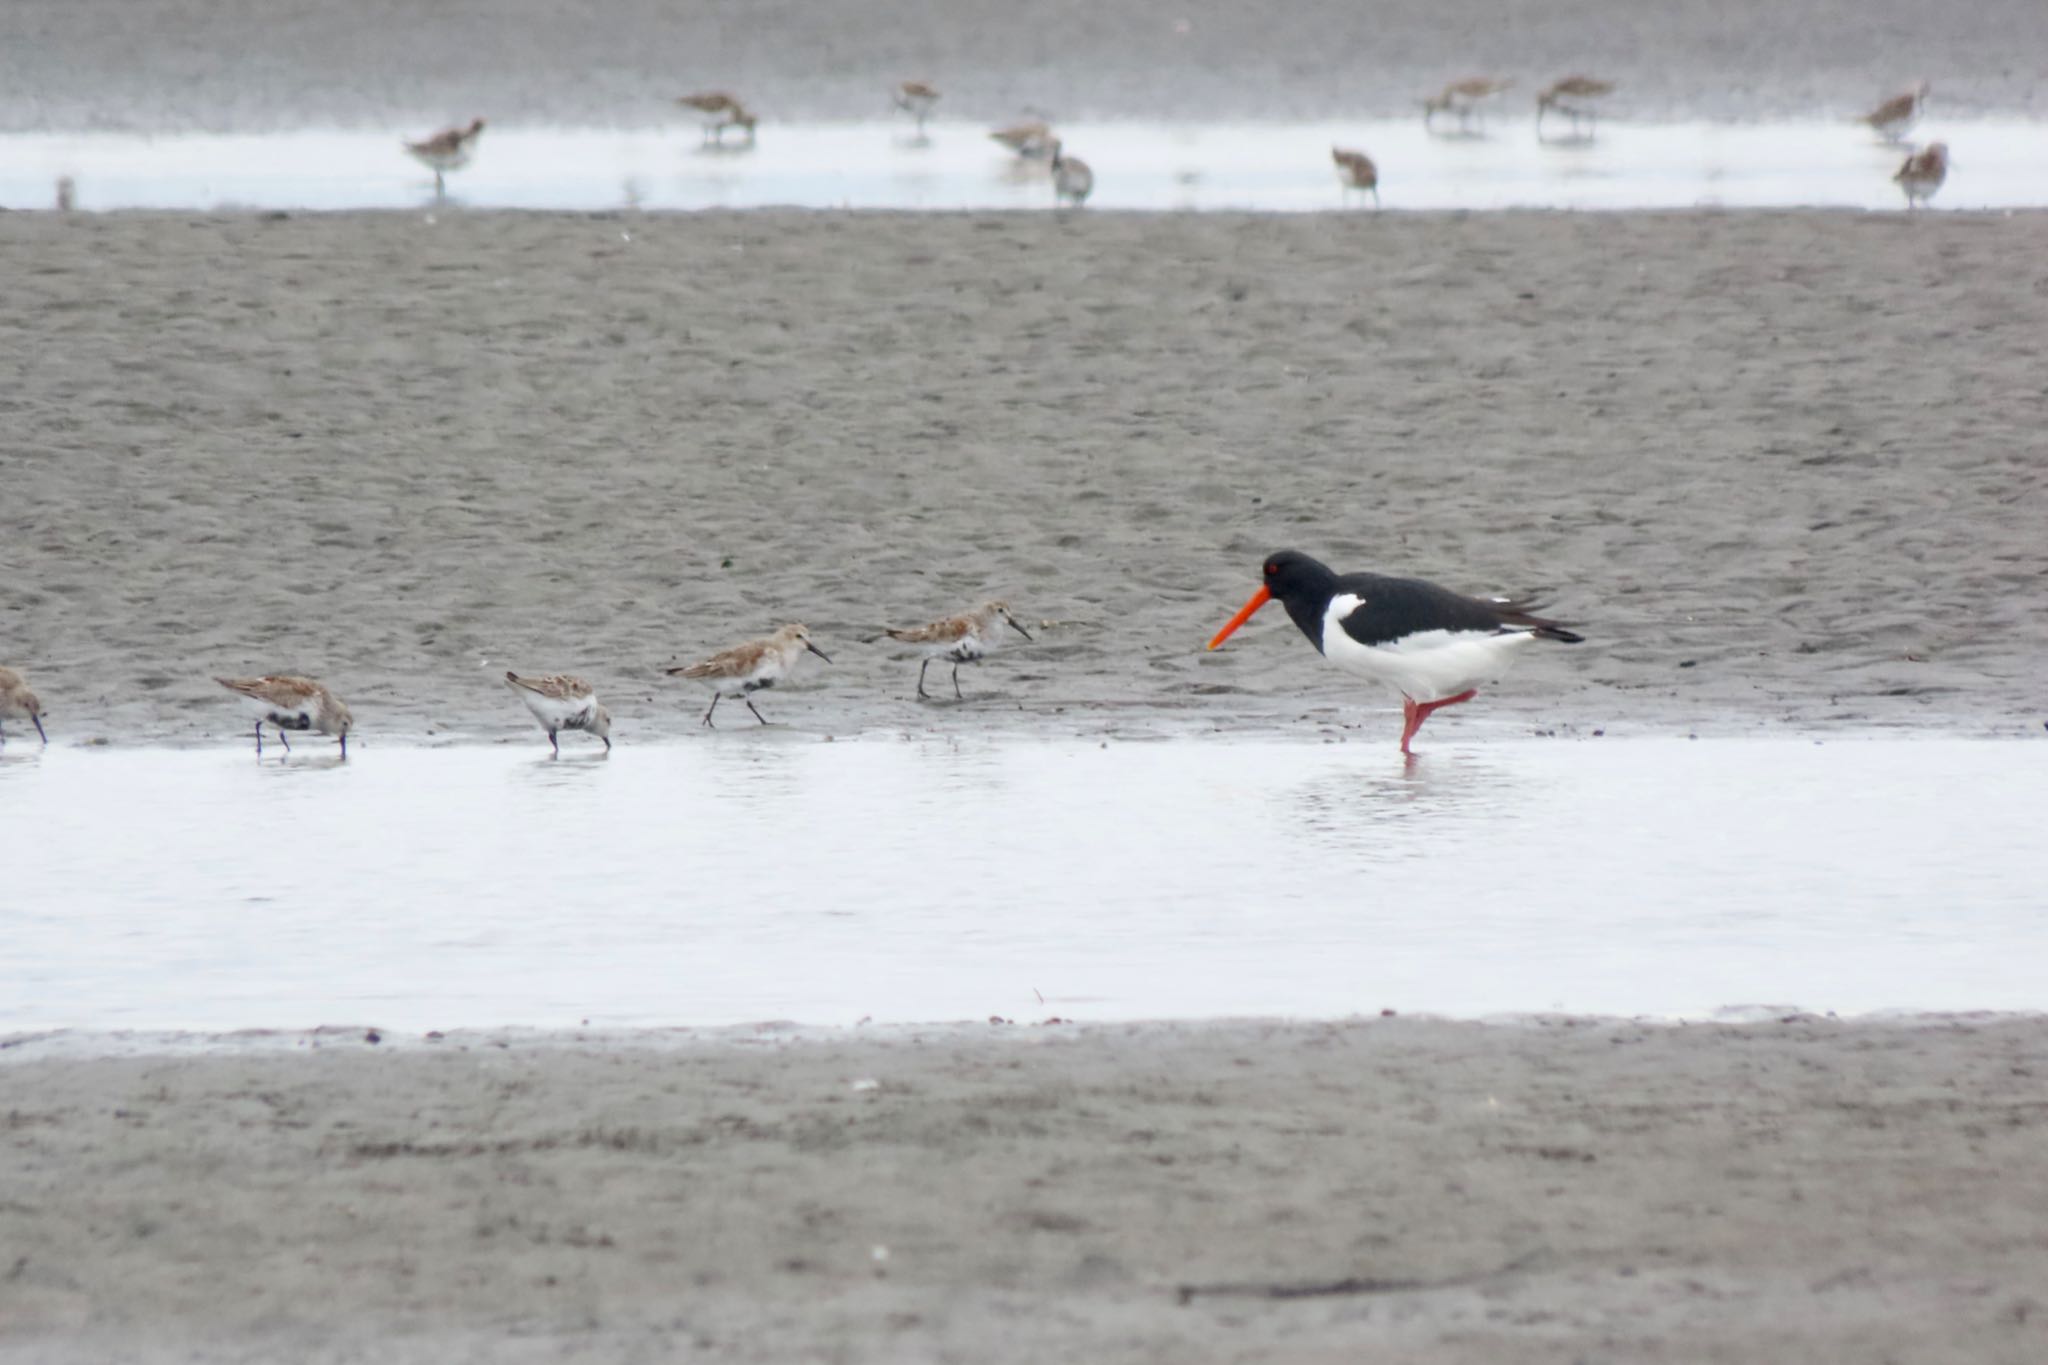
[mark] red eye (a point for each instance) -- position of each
(1272, 569)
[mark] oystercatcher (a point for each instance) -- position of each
(1430, 644)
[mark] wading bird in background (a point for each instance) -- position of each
(448, 150)
(1577, 97)
(916, 99)
(18, 703)
(1355, 171)
(719, 111)
(1430, 644)
(1923, 173)
(1464, 98)
(1072, 181)
(1031, 140)
(1895, 118)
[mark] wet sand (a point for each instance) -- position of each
(1799, 1189)
(254, 65)
(1783, 467)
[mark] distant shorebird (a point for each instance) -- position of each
(1355, 171)
(1463, 98)
(1923, 173)
(1031, 140)
(916, 99)
(963, 639)
(448, 150)
(719, 111)
(561, 702)
(1072, 181)
(1575, 96)
(18, 703)
(292, 704)
(750, 667)
(1894, 118)
(1430, 644)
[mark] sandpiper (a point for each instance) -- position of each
(1355, 171)
(448, 150)
(1463, 98)
(1072, 181)
(720, 111)
(1894, 118)
(17, 703)
(1432, 645)
(292, 704)
(916, 99)
(962, 639)
(748, 668)
(1923, 173)
(562, 702)
(1031, 140)
(1575, 96)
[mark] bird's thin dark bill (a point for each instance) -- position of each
(817, 651)
(1259, 599)
(1019, 629)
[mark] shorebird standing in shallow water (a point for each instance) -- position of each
(1575, 96)
(750, 667)
(1072, 181)
(963, 639)
(916, 99)
(561, 702)
(1430, 644)
(1923, 173)
(1895, 118)
(18, 703)
(1355, 171)
(1031, 140)
(1463, 98)
(292, 704)
(719, 111)
(448, 150)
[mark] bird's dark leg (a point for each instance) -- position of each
(344, 744)
(281, 739)
(554, 744)
(713, 707)
(957, 696)
(757, 715)
(920, 680)
(259, 739)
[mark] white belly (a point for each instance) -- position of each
(556, 713)
(1428, 666)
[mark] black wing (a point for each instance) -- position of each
(1398, 607)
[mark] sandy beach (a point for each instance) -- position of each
(1782, 467)
(1383, 1189)
(258, 65)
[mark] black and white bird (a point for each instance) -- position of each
(1430, 644)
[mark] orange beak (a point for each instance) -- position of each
(1244, 614)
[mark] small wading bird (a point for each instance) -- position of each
(1576, 97)
(1463, 98)
(562, 702)
(964, 639)
(1923, 173)
(719, 111)
(1072, 181)
(916, 99)
(1894, 118)
(292, 704)
(1031, 141)
(1355, 171)
(448, 150)
(18, 703)
(750, 667)
(1430, 644)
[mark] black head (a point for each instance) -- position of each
(1293, 576)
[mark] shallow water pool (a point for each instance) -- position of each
(766, 875)
(1998, 164)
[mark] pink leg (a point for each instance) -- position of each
(1413, 713)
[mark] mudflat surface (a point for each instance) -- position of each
(1785, 469)
(1371, 1190)
(254, 65)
